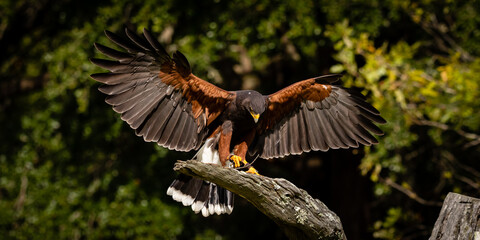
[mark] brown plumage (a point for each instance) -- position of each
(316, 114)
(159, 97)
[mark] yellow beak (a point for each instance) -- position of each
(255, 116)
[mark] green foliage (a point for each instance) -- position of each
(414, 91)
(71, 169)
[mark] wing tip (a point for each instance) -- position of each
(146, 31)
(97, 61)
(99, 77)
(109, 34)
(328, 79)
(380, 119)
(182, 62)
(100, 47)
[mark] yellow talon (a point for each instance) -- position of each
(253, 171)
(236, 163)
(236, 160)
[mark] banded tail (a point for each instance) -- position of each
(203, 196)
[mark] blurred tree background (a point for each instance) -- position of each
(71, 169)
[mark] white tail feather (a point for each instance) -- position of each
(206, 154)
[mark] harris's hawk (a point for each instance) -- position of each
(159, 97)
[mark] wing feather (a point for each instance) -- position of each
(351, 126)
(303, 133)
(139, 111)
(337, 132)
(139, 42)
(339, 128)
(283, 139)
(134, 94)
(359, 108)
(156, 45)
(158, 124)
(273, 147)
(175, 140)
(190, 130)
(275, 142)
(169, 130)
(326, 131)
(122, 42)
(311, 124)
(154, 123)
(116, 89)
(293, 135)
(314, 124)
(115, 54)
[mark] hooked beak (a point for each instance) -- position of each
(255, 116)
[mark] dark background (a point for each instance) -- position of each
(71, 169)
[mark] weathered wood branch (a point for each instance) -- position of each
(458, 219)
(293, 209)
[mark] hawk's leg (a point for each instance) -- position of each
(240, 151)
(224, 142)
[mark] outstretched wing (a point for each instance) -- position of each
(157, 95)
(315, 114)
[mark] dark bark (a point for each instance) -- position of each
(293, 209)
(458, 219)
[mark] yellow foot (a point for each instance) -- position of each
(237, 160)
(253, 171)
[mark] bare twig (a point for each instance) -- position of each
(454, 164)
(411, 194)
(22, 194)
(443, 126)
(297, 213)
(439, 32)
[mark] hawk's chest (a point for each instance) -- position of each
(242, 120)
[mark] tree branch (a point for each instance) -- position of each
(293, 209)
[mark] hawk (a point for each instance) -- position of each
(160, 97)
